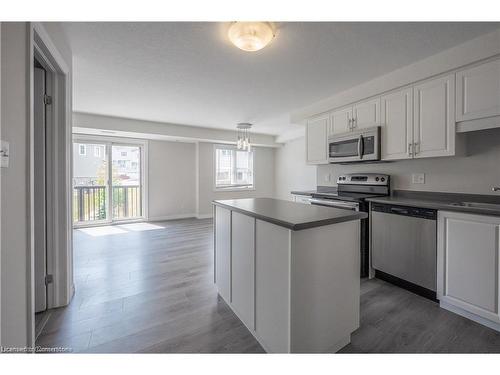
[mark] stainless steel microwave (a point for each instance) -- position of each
(355, 146)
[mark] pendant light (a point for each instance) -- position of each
(243, 142)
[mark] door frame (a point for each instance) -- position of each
(109, 141)
(59, 123)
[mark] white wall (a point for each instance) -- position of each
(16, 262)
(15, 202)
(291, 170)
(263, 173)
(475, 173)
(171, 179)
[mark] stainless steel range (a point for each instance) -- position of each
(350, 194)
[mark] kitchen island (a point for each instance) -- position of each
(289, 271)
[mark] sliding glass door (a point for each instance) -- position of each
(108, 181)
(90, 182)
(126, 182)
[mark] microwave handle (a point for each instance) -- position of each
(360, 147)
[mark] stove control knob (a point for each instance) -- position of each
(382, 179)
(376, 179)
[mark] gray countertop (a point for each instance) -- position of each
(291, 215)
(440, 201)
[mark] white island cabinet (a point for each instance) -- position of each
(289, 271)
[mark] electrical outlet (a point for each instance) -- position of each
(418, 178)
(328, 177)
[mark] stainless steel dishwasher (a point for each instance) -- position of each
(404, 245)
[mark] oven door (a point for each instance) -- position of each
(354, 206)
(355, 146)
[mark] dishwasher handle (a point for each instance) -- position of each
(399, 210)
(423, 213)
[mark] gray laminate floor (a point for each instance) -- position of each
(149, 288)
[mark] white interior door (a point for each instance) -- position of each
(40, 214)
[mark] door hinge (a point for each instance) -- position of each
(49, 279)
(47, 100)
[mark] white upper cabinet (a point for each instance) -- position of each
(397, 125)
(317, 140)
(366, 114)
(434, 117)
(478, 91)
(468, 268)
(341, 120)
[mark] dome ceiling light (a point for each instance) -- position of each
(251, 36)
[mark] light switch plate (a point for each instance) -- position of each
(418, 178)
(4, 154)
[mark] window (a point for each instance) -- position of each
(233, 168)
(82, 150)
(97, 151)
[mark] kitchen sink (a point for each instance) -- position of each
(483, 206)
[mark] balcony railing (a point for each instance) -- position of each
(90, 203)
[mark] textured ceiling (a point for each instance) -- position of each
(189, 73)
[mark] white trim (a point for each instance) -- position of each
(197, 177)
(0, 187)
(466, 314)
(59, 255)
(204, 216)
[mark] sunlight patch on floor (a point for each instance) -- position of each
(139, 227)
(119, 229)
(102, 231)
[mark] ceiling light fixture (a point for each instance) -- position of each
(250, 36)
(243, 142)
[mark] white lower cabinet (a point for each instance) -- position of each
(223, 252)
(243, 267)
(296, 291)
(468, 265)
(272, 297)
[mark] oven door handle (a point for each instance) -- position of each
(337, 204)
(360, 147)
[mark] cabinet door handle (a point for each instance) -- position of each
(409, 149)
(350, 123)
(416, 148)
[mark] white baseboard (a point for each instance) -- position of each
(204, 216)
(469, 315)
(171, 217)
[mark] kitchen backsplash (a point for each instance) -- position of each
(474, 172)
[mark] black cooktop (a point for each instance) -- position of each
(346, 196)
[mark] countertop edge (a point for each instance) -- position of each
(295, 227)
(436, 205)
